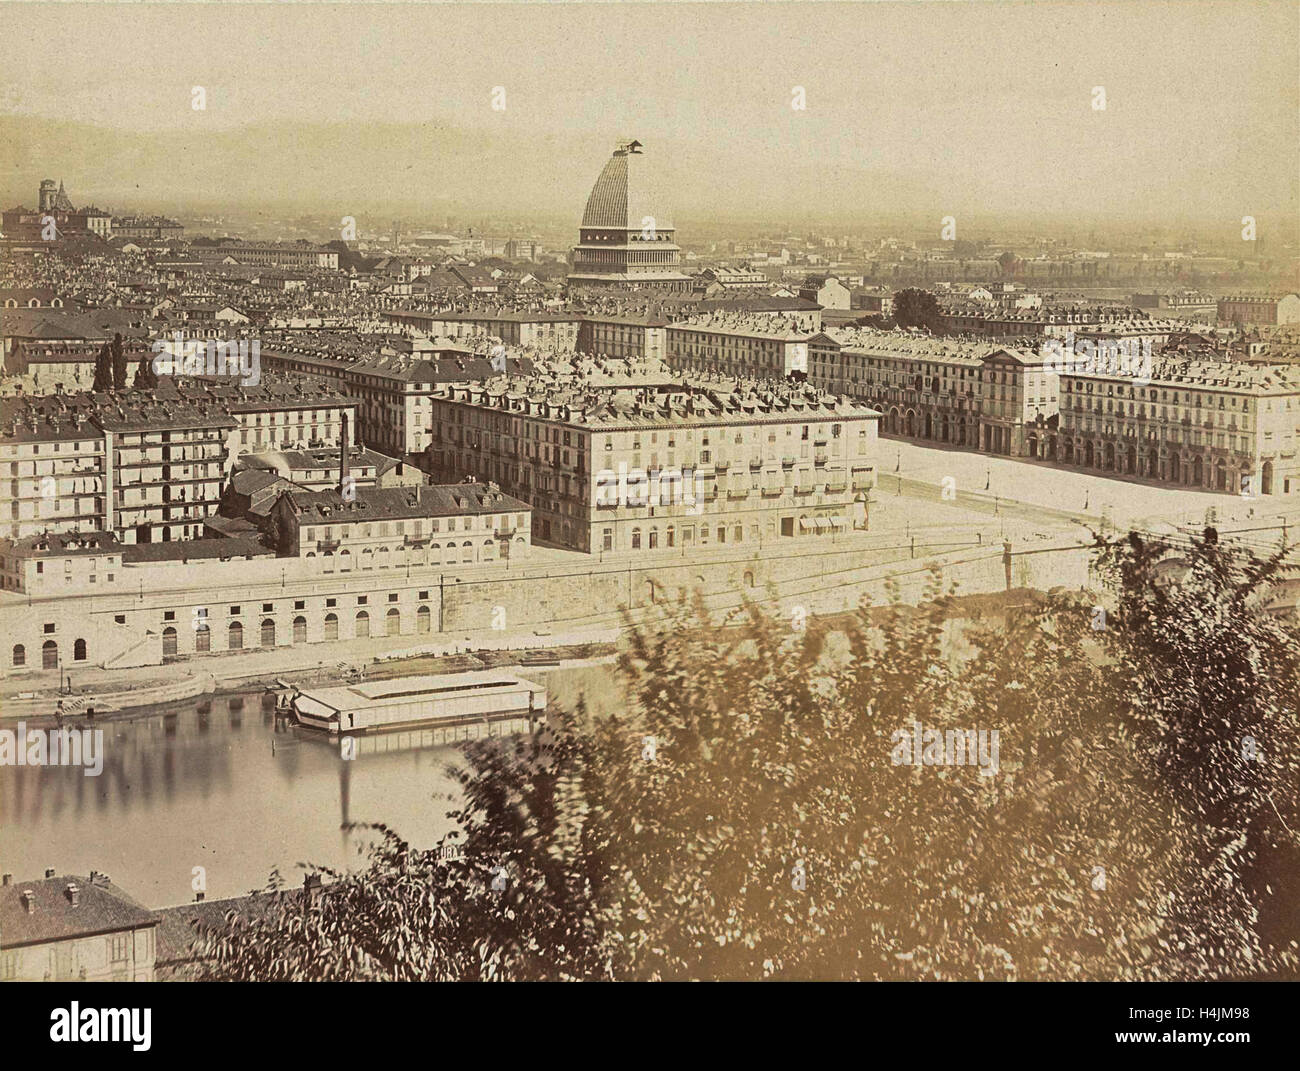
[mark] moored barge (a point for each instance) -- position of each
(420, 702)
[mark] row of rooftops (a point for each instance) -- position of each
(1176, 371)
(402, 503)
(701, 400)
(768, 328)
(1261, 299)
(174, 404)
(449, 363)
(1099, 315)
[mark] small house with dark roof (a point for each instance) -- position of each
(70, 928)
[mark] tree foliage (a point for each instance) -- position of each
(103, 369)
(745, 818)
(118, 362)
(917, 308)
(145, 376)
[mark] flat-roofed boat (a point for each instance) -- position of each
(439, 700)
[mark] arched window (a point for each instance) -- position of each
(381, 559)
(423, 620)
(489, 550)
(331, 626)
(363, 625)
(268, 632)
(203, 639)
(671, 536)
(235, 636)
(636, 538)
(368, 558)
(169, 642)
(654, 540)
(49, 655)
(20, 655)
(394, 622)
(345, 561)
(451, 553)
(299, 630)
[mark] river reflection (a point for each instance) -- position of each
(218, 782)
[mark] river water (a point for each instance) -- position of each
(220, 783)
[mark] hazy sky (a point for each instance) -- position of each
(942, 107)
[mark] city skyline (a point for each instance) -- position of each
(674, 490)
(404, 120)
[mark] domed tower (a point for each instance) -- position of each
(626, 238)
(48, 195)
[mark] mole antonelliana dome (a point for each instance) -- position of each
(624, 194)
(626, 238)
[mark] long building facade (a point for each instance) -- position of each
(695, 465)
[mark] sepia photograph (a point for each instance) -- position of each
(652, 491)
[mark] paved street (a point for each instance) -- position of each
(1125, 501)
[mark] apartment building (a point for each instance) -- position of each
(53, 474)
(466, 523)
(1201, 424)
(547, 330)
(300, 254)
(699, 464)
(925, 388)
(1271, 309)
(148, 465)
(738, 344)
(629, 334)
(393, 390)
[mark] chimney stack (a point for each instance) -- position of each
(49, 871)
(29, 901)
(74, 893)
(8, 879)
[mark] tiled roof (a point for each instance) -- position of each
(184, 550)
(64, 544)
(101, 908)
(396, 503)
